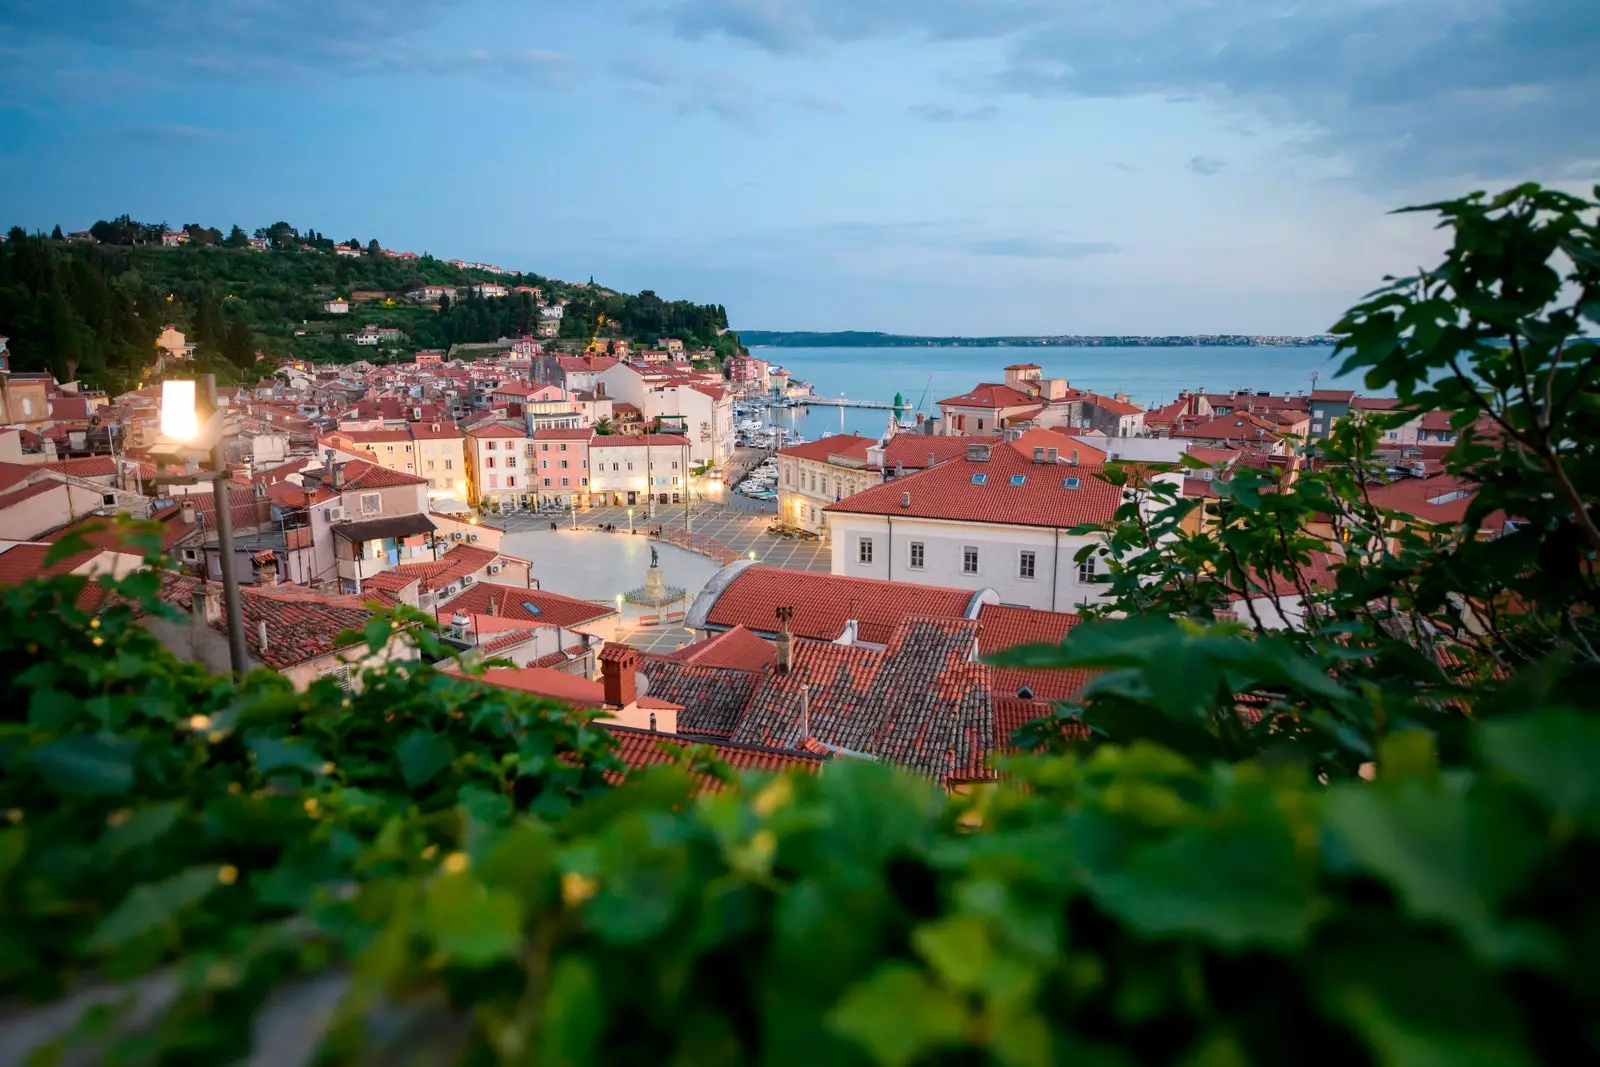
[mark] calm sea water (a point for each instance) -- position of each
(926, 375)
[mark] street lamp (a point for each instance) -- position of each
(185, 432)
(630, 520)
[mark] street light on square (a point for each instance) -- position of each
(192, 434)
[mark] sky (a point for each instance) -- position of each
(914, 166)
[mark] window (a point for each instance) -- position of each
(371, 503)
(494, 481)
(1025, 563)
(788, 474)
(583, 463)
(565, 482)
(511, 481)
(108, 499)
(430, 464)
(563, 446)
(969, 560)
(339, 676)
(980, 424)
(674, 464)
(547, 483)
(1086, 571)
(190, 555)
(449, 464)
(1018, 479)
(544, 464)
(488, 446)
(864, 550)
(511, 461)
(390, 447)
(583, 481)
(979, 479)
(488, 461)
(1070, 483)
(563, 464)
(544, 447)
(614, 466)
(408, 448)
(919, 555)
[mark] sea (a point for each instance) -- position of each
(926, 375)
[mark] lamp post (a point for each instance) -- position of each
(630, 520)
(180, 421)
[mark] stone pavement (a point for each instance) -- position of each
(735, 527)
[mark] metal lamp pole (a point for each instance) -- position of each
(237, 656)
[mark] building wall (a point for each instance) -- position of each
(443, 461)
(558, 484)
(800, 504)
(1055, 586)
(63, 504)
(669, 475)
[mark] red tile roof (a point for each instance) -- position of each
(921, 702)
(950, 491)
(913, 450)
(1242, 426)
(28, 492)
(389, 582)
(1002, 626)
(851, 445)
(569, 689)
(643, 748)
(1442, 498)
(1011, 714)
(529, 605)
(87, 467)
(564, 435)
(455, 564)
(1113, 405)
(586, 363)
(655, 440)
(497, 429)
(737, 648)
(25, 560)
(823, 603)
(359, 474)
(990, 395)
(1335, 396)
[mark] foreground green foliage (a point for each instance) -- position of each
(1413, 624)
(1367, 838)
(450, 858)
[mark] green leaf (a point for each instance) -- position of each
(573, 1015)
(471, 923)
(1451, 856)
(1237, 885)
(85, 765)
(958, 948)
(423, 754)
(152, 905)
(144, 826)
(275, 754)
(377, 633)
(1554, 755)
(897, 1015)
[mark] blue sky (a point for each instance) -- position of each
(924, 166)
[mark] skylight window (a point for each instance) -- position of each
(979, 479)
(1018, 479)
(532, 608)
(1070, 483)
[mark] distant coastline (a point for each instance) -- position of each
(868, 339)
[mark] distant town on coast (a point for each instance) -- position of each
(871, 339)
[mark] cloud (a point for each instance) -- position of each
(1040, 248)
(940, 113)
(1124, 167)
(1207, 165)
(731, 99)
(1404, 89)
(788, 26)
(172, 133)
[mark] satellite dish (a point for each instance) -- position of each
(641, 683)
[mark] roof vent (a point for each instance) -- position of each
(1038, 454)
(905, 499)
(1024, 693)
(1052, 455)
(1074, 460)
(978, 453)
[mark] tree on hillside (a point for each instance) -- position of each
(237, 346)
(374, 249)
(237, 238)
(56, 234)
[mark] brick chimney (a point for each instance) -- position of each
(784, 642)
(187, 512)
(619, 665)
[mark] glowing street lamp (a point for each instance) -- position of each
(630, 520)
(184, 433)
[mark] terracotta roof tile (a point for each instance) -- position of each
(529, 605)
(823, 603)
(1003, 626)
(851, 445)
(913, 450)
(455, 564)
(737, 648)
(989, 395)
(359, 474)
(713, 698)
(1009, 489)
(643, 748)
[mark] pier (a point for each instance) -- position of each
(839, 402)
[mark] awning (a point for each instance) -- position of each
(381, 529)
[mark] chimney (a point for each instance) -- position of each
(977, 453)
(1074, 459)
(1052, 455)
(852, 628)
(1038, 454)
(784, 642)
(932, 459)
(267, 571)
(805, 715)
(905, 499)
(619, 665)
(187, 512)
(211, 602)
(261, 634)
